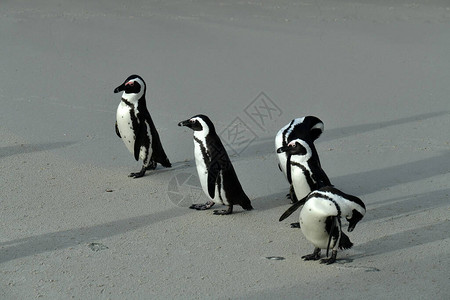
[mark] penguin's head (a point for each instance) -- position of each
(315, 126)
(307, 128)
(355, 218)
(358, 212)
(295, 147)
(133, 86)
(199, 123)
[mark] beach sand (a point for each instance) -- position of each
(73, 225)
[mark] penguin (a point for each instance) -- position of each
(303, 169)
(307, 128)
(216, 173)
(320, 220)
(135, 126)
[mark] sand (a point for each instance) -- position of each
(73, 225)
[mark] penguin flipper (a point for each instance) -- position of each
(219, 163)
(117, 130)
(213, 173)
(142, 139)
(335, 231)
(293, 208)
(288, 169)
(158, 154)
(320, 177)
(344, 242)
(292, 194)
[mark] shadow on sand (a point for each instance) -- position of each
(404, 240)
(30, 148)
(63, 239)
(265, 146)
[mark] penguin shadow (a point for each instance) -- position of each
(338, 133)
(375, 180)
(272, 201)
(262, 146)
(176, 167)
(405, 207)
(187, 166)
(403, 240)
(30, 148)
(47, 242)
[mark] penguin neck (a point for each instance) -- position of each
(355, 206)
(201, 134)
(300, 159)
(348, 202)
(133, 99)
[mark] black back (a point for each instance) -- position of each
(158, 154)
(306, 133)
(303, 130)
(142, 138)
(219, 161)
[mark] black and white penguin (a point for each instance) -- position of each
(320, 220)
(216, 173)
(135, 126)
(303, 169)
(308, 129)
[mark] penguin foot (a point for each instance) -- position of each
(295, 225)
(223, 212)
(139, 174)
(330, 260)
(152, 166)
(313, 256)
(205, 206)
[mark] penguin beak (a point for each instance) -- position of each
(186, 123)
(351, 227)
(282, 149)
(119, 88)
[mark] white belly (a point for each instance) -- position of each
(281, 156)
(125, 126)
(313, 228)
(301, 186)
(203, 177)
(312, 221)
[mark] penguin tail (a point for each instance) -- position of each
(166, 163)
(246, 204)
(344, 242)
(248, 207)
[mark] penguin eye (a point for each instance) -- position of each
(130, 83)
(192, 121)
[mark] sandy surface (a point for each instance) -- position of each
(73, 225)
